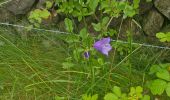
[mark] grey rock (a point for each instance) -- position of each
(145, 6)
(40, 4)
(152, 22)
(163, 6)
(20, 6)
(6, 16)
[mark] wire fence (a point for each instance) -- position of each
(61, 32)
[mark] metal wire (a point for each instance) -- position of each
(60, 32)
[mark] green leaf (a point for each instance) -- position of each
(45, 14)
(136, 3)
(139, 89)
(67, 65)
(110, 96)
(160, 35)
(97, 27)
(168, 89)
(94, 97)
(83, 33)
(158, 86)
(154, 69)
(132, 91)
(146, 97)
(117, 91)
(48, 4)
(93, 4)
(163, 74)
(68, 24)
(129, 11)
(105, 20)
(89, 97)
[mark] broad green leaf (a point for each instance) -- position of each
(48, 4)
(68, 24)
(139, 89)
(146, 97)
(158, 86)
(45, 14)
(89, 97)
(160, 35)
(136, 3)
(94, 97)
(83, 33)
(129, 11)
(67, 65)
(117, 91)
(105, 20)
(93, 4)
(168, 89)
(110, 96)
(154, 69)
(132, 91)
(97, 27)
(163, 74)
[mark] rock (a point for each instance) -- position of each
(128, 25)
(6, 16)
(20, 6)
(163, 6)
(144, 6)
(152, 22)
(40, 4)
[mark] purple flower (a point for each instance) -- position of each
(86, 54)
(103, 45)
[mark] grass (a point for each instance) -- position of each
(31, 68)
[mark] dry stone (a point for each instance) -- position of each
(20, 6)
(163, 6)
(152, 22)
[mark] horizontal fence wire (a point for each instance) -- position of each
(61, 32)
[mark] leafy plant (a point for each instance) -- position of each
(116, 94)
(163, 37)
(37, 15)
(161, 83)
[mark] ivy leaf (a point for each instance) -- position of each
(110, 96)
(68, 24)
(158, 86)
(168, 89)
(117, 91)
(163, 74)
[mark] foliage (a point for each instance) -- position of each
(88, 63)
(38, 15)
(161, 83)
(116, 94)
(163, 37)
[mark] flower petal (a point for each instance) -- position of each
(103, 45)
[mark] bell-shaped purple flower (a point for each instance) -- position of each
(87, 54)
(103, 45)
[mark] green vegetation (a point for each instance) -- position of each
(90, 62)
